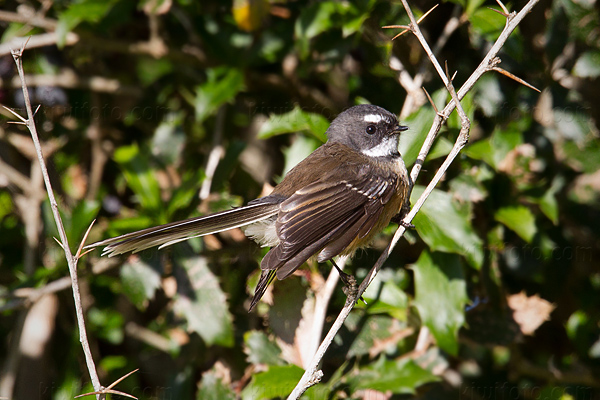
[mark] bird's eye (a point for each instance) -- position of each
(371, 129)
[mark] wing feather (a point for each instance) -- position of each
(324, 218)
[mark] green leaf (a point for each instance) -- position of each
(548, 203)
(212, 387)
(487, 23)
(385, 297)
(106, 324)
(468, 105)
(588, 65)
(376, 328)
(260, 349)
(520, 219)
(6, 204)
(149, 70)
(75, 221)
(488, 95)
(495, 149)
(140, 282)
(169, 138)
(446, 227)
(86, 10)
(139, 175)
(401, 376)
(301, 148)
(185, 194)
(418, 124)
(277, 381)
(222, 86)
(296, 120)
(440, 297)
(202, 303)
(313, 20)
(472, 6)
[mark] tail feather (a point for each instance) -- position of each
(174, 232)
(266, 277)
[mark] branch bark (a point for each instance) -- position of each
(71, 260)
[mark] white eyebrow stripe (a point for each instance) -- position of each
(374, 118)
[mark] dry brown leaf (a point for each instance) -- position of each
(529, 312)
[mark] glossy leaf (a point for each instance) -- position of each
(140, 177)
(446, 227)
(140, 281)
(201, 301)
(440, 297)
(260, 349)
(277, 381)
(212, 387)
(296, 120)
(520, 219)
(401, 376)
(588, 65)
(222, 86)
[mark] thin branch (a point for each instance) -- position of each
(407, 28)
(67, 78)
(215, 155)
(106, 390)
(502, 6)
(23, 297)
(71, 261)
(41, 40)
(321, 304)
(516, 78)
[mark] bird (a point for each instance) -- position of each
(330, 204)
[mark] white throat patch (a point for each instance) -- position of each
(373, 118)
(387, 147)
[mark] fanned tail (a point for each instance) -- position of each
(174, 232)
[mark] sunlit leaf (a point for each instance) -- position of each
(296, 120)
(139, 175)
(401, 376)
(588, 65)
(222, 86)
(520, 219)
(260, 349)
(212, 387)
(277, 381)
(446, 227)
(140, 281)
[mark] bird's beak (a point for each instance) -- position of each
(399, 128)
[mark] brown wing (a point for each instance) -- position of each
(326, 218)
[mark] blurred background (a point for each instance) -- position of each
(154, 111)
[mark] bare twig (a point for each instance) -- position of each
(407, 28)
(516, 78)
(215, 155)
(23, 297)
(321, 303)
(41, 40)
(71, 260)
(106, 390)
(313, 375)
(67, 78)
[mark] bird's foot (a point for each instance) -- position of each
(350, 284)
(350, 288)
